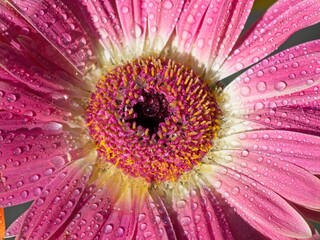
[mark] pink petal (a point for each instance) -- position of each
(211, 28)
(271, 158)
(133, 23)
(290, 71)
(162, 20)
(20, 35)
(257, 204)
(281, 92)
(37, 154)
(56, 202)
(32, 107)
(150, 224)
(282, 20)
(102, 20)
(55, 84)
(101, 210)
(239, 227)
(60, 27)
(201, 216)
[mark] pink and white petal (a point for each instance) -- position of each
(276, 159)
(19, 34)
(190, 23)
(201, 216)
(290, 71)
(210, 29)
(162, 17)
(102, 20)
(109, 208)
(280, 92)
(282, 20)
(37, 154)
(150, 224)
(257, 204)
(60, 27)
(57, 201)
(133, 17)
(54, 83)
(239, 227)
(33, 107)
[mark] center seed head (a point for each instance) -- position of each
(152, 118)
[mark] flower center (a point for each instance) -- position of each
(152, 118)
(151, 110)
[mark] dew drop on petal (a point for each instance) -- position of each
(185, 221)
(280, 86)
(309, 82)
(235, 191)
(245, 91)
(217, 184)
(239, 66)
(98, 217)
(34, 178)
(168, 4)
(24, 194)
(58, 161)
(141, 217)
(11, 98)
(120, 232)
(261, 86)
(143, 226)
(125, 9)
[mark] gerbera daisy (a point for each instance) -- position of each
(113, 120)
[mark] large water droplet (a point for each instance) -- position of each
(108, 229)
(280, 86)
(168, 4)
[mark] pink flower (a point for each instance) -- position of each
(113, 121)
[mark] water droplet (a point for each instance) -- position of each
(217, 184)
(185, 221)
(136, 31)
(186, 35)
(65, 38)
(258, 106)
(125, 9)
(58, 161)
(168, 4)
(181, 204)
(34, 178)
(98, 217)
(239, 66)
(24, 194)
(190, 19)
(120, 232)
(309, 82)
(260, 73)
(108, 229)
(245, 153)
(280, 86)
(141, 217)
(261, 86)
(11, 98)
(48, 172)
(17, 151)
(143, 226)
(69, 204)
(39, 201)
(245, 91)
(235, 191)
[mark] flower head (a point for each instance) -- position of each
(114, 121)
